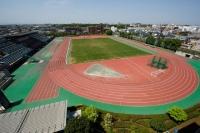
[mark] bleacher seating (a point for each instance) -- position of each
(15, 48)
(13, 52)
(2, 39)
(39, 37)
(15, 56)
(3, 42)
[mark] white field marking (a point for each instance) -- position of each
(25, 63)
(157, 73)
(66, 59)
(41, 61)
(142, 71)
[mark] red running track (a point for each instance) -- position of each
(140, 85)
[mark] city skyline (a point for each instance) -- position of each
(104, 11)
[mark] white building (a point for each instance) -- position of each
(196, 45)
(193, 29)
(113, 28)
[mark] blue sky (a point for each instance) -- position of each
(97, 11)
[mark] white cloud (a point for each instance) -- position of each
(56, 3)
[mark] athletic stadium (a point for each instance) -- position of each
(128, 78)
(110, 73)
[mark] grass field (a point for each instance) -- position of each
(84, 50)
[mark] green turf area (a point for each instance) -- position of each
(27, 75)
(84, 50)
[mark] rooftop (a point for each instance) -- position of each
(45, 118)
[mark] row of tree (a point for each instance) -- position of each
(93, 121)
(167, 43)
(125, 34)
(57, 34)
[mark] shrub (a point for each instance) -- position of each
(170, 124)
(90, 113)
(144, 122)
(122, 130)
(79, 125)
(139, 129)
(108, 121)
(109, 32)
(133, 129)
(158, 125)
(122, 124)
(177, 114)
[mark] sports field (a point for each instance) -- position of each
(138, 91)
(84, 50)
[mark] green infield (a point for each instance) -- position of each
(84, 50)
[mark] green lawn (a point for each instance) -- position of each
(84, 50)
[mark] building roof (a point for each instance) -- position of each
(11, 122)
(46, 118)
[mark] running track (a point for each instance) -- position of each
(137, 88)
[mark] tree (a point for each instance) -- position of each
(108, 121)
(90, 113)
(172, 44)
(177, 44)
(167, 43)
(109, 32)
(177, 114)
(79, 125)
(121, 26)
(159, 42)
(150, 40)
